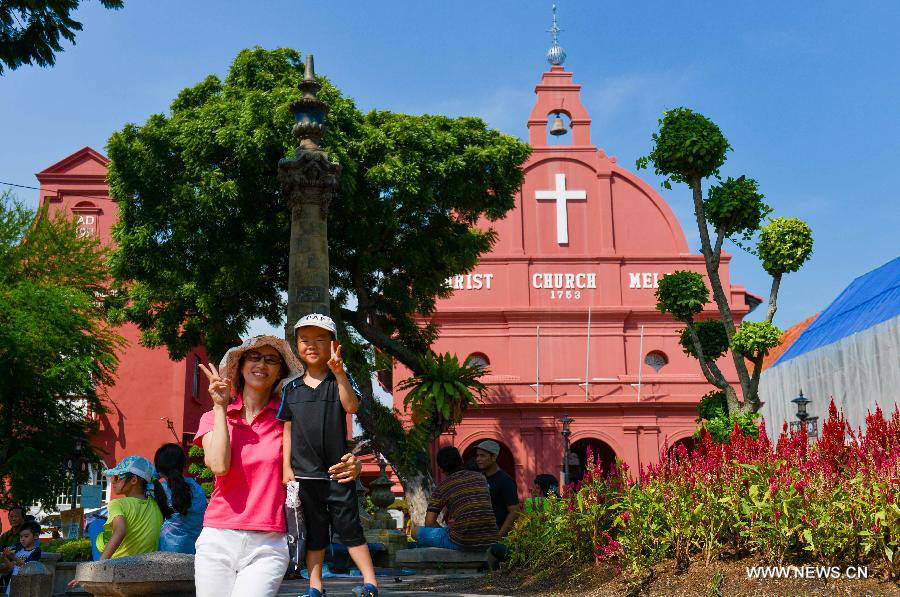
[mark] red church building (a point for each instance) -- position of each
(563, 309)
(155, 400)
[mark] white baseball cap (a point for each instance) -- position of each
(319, 321)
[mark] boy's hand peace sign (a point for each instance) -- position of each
(336, 363)
(219, 387)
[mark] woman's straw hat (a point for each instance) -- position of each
(229, 365)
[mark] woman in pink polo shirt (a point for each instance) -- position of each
(242, 549)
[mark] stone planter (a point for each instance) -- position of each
(50, 559)
(65, 571)
(33, 580)
(150, 574)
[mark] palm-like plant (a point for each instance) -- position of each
(444, 389)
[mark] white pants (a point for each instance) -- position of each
(239, 563)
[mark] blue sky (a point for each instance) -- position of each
(809, 96)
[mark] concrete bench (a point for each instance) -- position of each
(33, 580)
(436, 560)
(150, 574)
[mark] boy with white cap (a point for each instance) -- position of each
(314, 409)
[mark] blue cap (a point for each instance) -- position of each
(136, 465)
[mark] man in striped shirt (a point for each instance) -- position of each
(467, 498)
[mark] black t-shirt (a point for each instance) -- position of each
(318, 425)
(503, 494)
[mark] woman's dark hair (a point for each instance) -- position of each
(239, 382)
(17, 507)
(449, 460)
(169, 462)
(547, 484)
(158, 494)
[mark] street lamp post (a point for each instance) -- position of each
(74, 466)
(566, 420)
(803, 418)
(308, 180)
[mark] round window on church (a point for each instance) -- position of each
(477, 358)
(657, 360)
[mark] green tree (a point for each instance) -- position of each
(688, 148)
(202, 239)
(56, 348)
(30, 30)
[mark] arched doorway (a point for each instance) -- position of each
(688, 442)
(505, 459)
(601, 453)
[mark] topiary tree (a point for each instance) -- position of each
(688, 148)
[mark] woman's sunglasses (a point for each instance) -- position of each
(269, 359)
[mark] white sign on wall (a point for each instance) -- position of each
(561, 196)
(470, 281)
(643, 280)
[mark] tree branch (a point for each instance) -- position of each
(773, 297)
(375, 336)
(717, 251)
(712, 270)
(710, 370)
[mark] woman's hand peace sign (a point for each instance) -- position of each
(219, 387)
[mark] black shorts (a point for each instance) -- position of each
(330, 503)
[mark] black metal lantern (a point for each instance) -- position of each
(811, 424)
(801, 401)
(566, 420)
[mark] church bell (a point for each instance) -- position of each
(558, 127)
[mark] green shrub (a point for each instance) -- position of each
(834, 503)
(72, 550)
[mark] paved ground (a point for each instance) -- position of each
(341, 587)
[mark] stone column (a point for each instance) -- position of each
(308, 181)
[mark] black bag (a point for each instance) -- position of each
(296, 527)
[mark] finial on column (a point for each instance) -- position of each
(310, 73)
(309, 111)
(555, 55)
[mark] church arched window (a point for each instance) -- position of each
(656, 359)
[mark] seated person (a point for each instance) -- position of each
(10, 538)
(186, 498)
(135, 520)
(544, 485)
(27, 550)
(467, 498)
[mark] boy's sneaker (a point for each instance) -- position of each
(311, 592)
(365, 590)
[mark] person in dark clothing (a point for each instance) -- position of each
(16, 516)
(504, 495)
(314, 409)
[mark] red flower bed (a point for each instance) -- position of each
(828, 503)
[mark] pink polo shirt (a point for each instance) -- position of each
(250, 497)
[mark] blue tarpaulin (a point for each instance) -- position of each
(869, 300)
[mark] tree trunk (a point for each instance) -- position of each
(418, 490)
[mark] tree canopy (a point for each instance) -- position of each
(203, 228)
(56, 348)
(30, 30)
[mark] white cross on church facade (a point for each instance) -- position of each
(561, 196)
